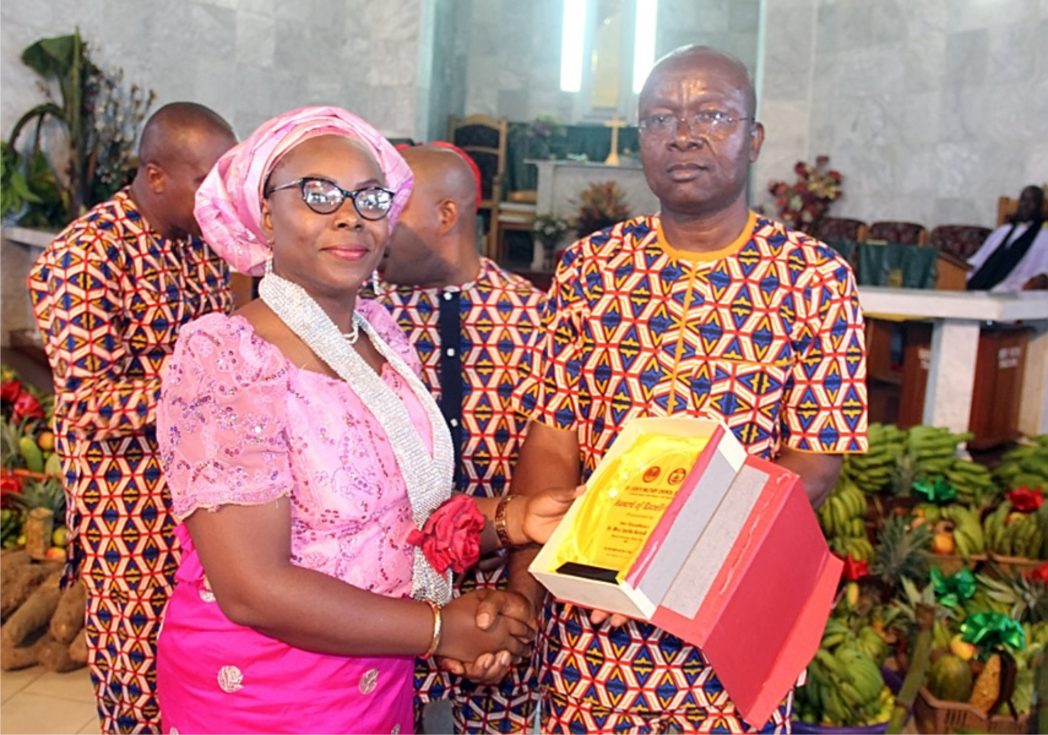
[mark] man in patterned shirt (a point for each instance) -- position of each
(705, 309)
(470, 322)
(109, 295)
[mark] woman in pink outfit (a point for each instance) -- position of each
(303, 453)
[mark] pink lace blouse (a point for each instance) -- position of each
(239, 424)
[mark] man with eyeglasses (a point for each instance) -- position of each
(109, 295)
(705, 309)
(470, 322)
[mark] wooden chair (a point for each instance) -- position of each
(832, 229)
(1006, 207)
(484, 138)
(516, 214)
(899, 233)
(959, 240)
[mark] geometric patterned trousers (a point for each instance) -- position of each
(124, 547)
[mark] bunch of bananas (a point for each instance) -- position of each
(873, 471)
(1010, 533)
(1025, 466)
(974, 483)
(931, 452)
(931, 445)
(843, 520)
(839, 633)
(844, 688)
(967, 530)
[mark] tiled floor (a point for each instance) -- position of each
(37, 701)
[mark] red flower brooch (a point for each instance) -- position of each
(451, 535)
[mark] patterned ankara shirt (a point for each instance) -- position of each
(109, 296)
(498, 312)
(765, 335)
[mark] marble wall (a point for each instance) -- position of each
(930, 109)
(248, 59)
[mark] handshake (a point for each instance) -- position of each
(485, 633)
(481, 634)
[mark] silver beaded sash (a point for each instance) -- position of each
(428, 479)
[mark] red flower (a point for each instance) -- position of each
(451, 535)
(27, 407)
(855, 569)
(1025, 500)
(10, 390)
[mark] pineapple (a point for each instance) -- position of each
(901, 553)
(42, 494)
(1027, 599)
(10, 453)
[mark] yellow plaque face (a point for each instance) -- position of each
(623, 505)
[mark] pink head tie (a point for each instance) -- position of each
(229, 202)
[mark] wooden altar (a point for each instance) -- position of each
(956, 319)
(561, 182)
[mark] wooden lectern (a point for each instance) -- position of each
(951, 272)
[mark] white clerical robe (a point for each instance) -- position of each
(1032, 264)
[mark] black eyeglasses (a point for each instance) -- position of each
(324, 196)
(706, 123)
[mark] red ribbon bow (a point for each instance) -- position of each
(10, 390)
(1025, 500)
(1039, 574)
(855, 569)
(27, 407)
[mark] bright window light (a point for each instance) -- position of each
(572, 43)
(644, 42)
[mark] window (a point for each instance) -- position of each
(607, 50)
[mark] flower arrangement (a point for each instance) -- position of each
(601, 204)
(549, 228)
(807, 200)
(545, 137)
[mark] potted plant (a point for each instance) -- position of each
(98, 120)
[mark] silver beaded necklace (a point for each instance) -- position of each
(428, 479)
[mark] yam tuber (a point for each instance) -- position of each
(54, 656)
(20, 578)
(13, 658)
(69, 616)
(34, 613)
(78, 648)
(11, 558)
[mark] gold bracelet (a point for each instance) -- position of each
(502, 523)
(438, 625)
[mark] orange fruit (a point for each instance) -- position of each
(46, 441)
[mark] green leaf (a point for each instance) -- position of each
(19, 186)
(51, 56)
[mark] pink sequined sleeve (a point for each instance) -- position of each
(221, 421)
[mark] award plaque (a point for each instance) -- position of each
(680, 527)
